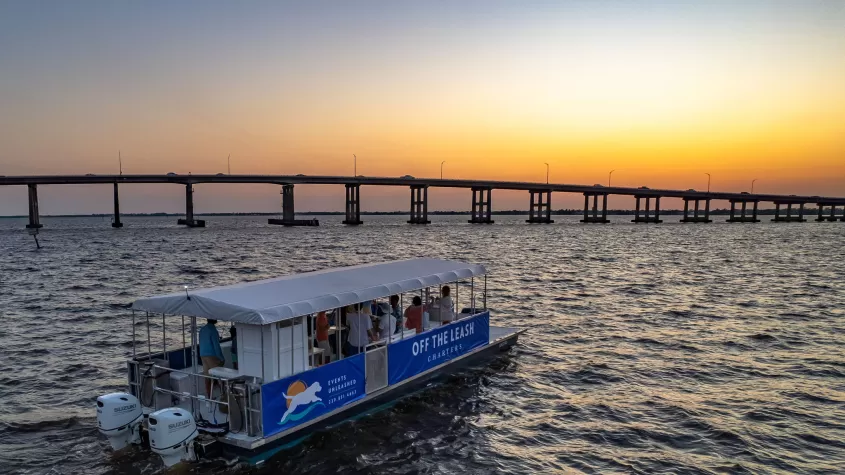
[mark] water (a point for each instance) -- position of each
(652, 348)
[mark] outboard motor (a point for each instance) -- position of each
(172, 433)
(119, 417)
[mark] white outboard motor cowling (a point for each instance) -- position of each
(119, 417)
(172, 434)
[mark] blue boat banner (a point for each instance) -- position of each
(291, 401)
(412, 356)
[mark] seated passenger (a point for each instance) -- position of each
(414, 315)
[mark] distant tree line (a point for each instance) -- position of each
(559, 212)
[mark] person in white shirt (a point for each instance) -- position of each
(447, 314)
(387, 322)
(360, 329)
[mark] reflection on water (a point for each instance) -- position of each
(672, 348)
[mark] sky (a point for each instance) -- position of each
(660, 91)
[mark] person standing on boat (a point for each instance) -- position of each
(360, 329)
(414, 315)
(210, 352)
(387, 322)
(323, 336)
(396, 312)
(447, 315)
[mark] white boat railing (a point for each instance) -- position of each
(251, 416)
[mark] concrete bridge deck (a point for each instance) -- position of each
(540, 194)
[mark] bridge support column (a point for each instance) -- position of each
(832, 216)
(743, 216)
(419, 205)
(353, 205)
(789, 218)
(696, 218)
(34, 218)
(116, 221)
(595, 217)
(648, 216)
(189, 220)
(481, 206)
(289, 212)
(540, 210)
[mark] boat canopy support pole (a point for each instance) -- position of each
(133, 334)
(484, 295)
(149, 340)
(457, 306)
(472, 295)
(184, 344)
(194, 354)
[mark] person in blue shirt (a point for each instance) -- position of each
(210, 352)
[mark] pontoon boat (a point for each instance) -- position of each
(286, 386)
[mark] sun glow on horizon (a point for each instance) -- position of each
(662, 95)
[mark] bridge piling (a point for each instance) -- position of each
(34, 218)
(419, 205)
(595, 218)
(289, 211)
(695, 218)
(189, 220)
(116, 221)
(789, 218)
(743, 216)
(481, 206)
(648, 217)
(540, 208)
(832, 216)
(353, 205)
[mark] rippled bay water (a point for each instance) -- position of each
(652, 348)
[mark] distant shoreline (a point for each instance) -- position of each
(559, 212)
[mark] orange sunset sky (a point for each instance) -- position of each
(662, 92)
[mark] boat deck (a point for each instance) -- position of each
(497, 333)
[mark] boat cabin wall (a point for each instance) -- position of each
(273, 351)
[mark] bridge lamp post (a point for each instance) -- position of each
(547, 173)
(354, 165)
(229, 163)
(120, 162)
(752, 185)
(708, 182)
(609, 175)
(441, 169)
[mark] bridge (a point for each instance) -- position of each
(744, 206)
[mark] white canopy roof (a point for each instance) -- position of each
(273, 300)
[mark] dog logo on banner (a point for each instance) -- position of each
(298, 395)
